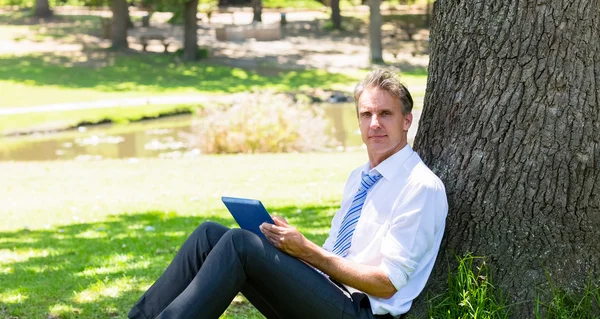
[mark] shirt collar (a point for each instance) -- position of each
(390, 167)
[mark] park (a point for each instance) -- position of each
(122, 125)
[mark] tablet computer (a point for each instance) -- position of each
(248, 213)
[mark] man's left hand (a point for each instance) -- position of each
(285, 237)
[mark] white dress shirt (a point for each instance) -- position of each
(400, 228)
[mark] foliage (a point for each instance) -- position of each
(262, 122)
(470, 293)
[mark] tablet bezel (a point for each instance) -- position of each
(248, 213)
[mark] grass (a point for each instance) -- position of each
(295, 4)
(564, 305)
(70, 119)
(470, 293)
(40, 79)
(82, 249)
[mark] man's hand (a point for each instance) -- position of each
(369, 279)
(285, 237)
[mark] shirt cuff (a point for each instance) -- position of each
(398, 277)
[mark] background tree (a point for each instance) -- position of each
(190, 25)
(336, 15)
(375, 22)
(511, 124)
(42, 9)
(120, 15)
(257, 8)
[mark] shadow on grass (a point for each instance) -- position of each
(99, 270)
(152, 73)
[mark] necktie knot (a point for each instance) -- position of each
(369, 179)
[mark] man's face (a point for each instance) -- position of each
(382, 125)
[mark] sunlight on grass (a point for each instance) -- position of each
(62, 310)
(91, 234)
(36, 79)
(6, 270)
(112, 269)
(104, 289)
(19, 256)
(13, 296)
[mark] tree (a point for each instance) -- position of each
(511, 124)
(118, 32)
(375, 21)
(257, 8)
(42, 9)
(190, 25)
(336, 15)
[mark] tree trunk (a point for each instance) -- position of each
(336, 15)
(42, 9)
(257, 7)
(119, 24)
(511, 124)
(375, 22)
(428, 14)
(190, 42)
(129, 23)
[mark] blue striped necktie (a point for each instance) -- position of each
(344, 237)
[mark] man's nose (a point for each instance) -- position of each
(374, 121)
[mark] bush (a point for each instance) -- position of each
(201, 53)
(262, 122)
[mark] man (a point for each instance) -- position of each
(380, 251)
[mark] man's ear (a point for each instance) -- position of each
(407, 121)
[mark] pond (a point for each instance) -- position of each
(163, 138)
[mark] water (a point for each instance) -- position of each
(163, 138)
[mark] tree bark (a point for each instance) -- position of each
(511, 124)
(119, 24)
(42, 9)
(375, 21)
(336, 15)
(190, 43)
(257, 8)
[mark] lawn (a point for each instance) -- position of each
(43, 79)
(45, 121)
(84, 239)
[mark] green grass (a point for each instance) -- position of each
(564, 305)
(73, 241)
(42, 79)
(470, 293)
(67, 119)
(296, 4)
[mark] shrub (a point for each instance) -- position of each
(262, 122)
(201, 53)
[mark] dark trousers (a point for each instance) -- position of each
(215, 263)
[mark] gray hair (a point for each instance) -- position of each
(388, 81)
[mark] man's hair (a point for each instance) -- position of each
(388, 81)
